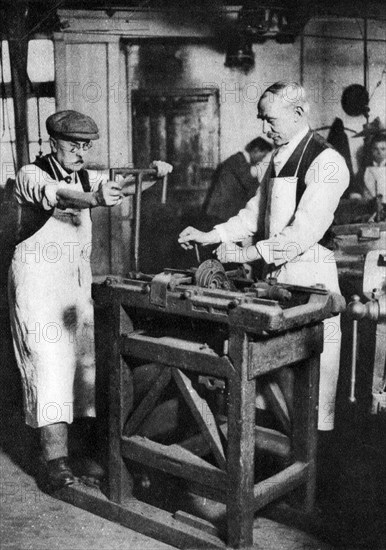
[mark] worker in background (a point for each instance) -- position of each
(374, 183)
(289, 217)
(236, 180)
(50, 286)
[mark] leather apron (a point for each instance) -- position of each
(52, 317)
(316, 265)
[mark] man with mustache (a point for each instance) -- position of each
(290, 216)
(50, 286)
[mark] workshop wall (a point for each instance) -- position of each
(101, 61)
(86, 72)
(333, 58)
(202, 66)
(170, 67)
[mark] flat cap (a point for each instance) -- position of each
(72, 125)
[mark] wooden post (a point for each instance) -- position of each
(17, 30)
(241, 445)
(120, 405)
(305, 419)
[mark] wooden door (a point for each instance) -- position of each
(181, 127)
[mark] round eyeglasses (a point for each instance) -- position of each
(76, 147)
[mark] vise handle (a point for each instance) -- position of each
(211, 383)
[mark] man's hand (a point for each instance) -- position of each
(163, 168)
(127, 185)
(108, 194)
(191, 234)
(232, 253)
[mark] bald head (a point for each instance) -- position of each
(291, 94)
(283, 108)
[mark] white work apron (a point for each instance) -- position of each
(52, 318)
(316, 265)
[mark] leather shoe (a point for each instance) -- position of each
(59, 473)
(88, 471)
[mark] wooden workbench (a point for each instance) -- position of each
(236, 344)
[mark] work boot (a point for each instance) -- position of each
(53, 440)
(59, 473)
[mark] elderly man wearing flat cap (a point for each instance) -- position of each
(50, 285)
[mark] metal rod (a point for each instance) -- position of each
(139, 173)
(197, 253)
(164, 189)
(134, 171)
(365, 56)
(341, 38)
(353, 361)
(301, 59)
(138, 198)
(366, 65)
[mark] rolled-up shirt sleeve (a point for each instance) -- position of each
(35, 187)
(326, 180)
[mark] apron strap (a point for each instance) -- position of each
(302, 155)
(297, 165)
(54, 169)
(271, 172)
(82, 175)
(291, 167)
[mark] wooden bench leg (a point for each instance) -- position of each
(305, 421)
(119, 483)
(240, 459)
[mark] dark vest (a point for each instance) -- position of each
(53, 171)
(32, 217)
(316, 145)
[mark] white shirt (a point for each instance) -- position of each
(325, 180)
(375, 181)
